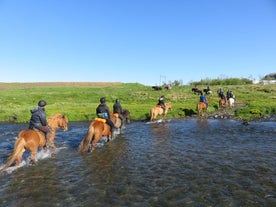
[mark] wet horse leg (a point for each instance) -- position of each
(32, 158)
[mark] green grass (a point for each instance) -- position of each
(79, 102)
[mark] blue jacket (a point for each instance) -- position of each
(202, 98)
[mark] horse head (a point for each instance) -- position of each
(168, 106)
(58, 121)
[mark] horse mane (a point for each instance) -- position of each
(55, 117)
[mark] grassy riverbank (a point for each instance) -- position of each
(79, 100)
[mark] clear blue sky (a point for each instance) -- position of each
(144, 41)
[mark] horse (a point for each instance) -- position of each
(206, 91)
(98, 129)
(231, 102)
(196, 90)
(222, 103)
(201, 106)
(32, 140)
(157, 110)
(126, 116)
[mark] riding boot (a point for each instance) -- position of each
(164, 109)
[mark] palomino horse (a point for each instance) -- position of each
(29, 139)
(157, 110)
(222, 103)
(201, 106)
(231, 102)
(97, 129)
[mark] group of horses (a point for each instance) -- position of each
(32, 140)
(223, 103)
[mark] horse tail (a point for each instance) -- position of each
(18, 151)
(84, 145)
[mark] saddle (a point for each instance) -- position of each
(100, 120)
(116, 115)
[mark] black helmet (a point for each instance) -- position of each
(42, 103)
(102, 100)
(117, 100)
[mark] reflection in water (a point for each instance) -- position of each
(195, 162)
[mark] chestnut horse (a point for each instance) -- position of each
(98, 129)
(29, 139)
(157, 110)
(201, 106)
(222, 103)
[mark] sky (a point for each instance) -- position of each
(136, 41)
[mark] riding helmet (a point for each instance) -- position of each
(117, 100)
(102, 100)
(42, 103)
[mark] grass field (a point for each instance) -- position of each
(78, 100)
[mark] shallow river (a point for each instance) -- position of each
(176, 163)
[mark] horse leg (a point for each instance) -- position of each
(32, 158)
(95, 139)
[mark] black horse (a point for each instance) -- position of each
(196, 90)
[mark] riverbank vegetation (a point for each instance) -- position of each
(79, 100)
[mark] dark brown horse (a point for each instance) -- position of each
(201, 106)
(29, 139)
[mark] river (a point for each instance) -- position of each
(190, 162)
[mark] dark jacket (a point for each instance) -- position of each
(102, 111)
(161, 101)
(38, 118)
(117, 108)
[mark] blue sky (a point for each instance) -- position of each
(144, 41)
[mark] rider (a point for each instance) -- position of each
(222, 96)
(229, 94)
(220, 91)
(38, 120)
(103, 112)
(161, 102)
(117, 108)
(203, 99)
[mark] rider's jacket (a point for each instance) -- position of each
(161, 101)
(117, 108)
(202, 98)
(102, 111)
(38, 117)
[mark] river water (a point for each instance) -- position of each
(173, 163)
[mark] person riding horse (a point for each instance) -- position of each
(103, 112)
(229, 94)
(117, 108)
(161, 102)
(222, 96)
(203, 99)
(38, 120)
